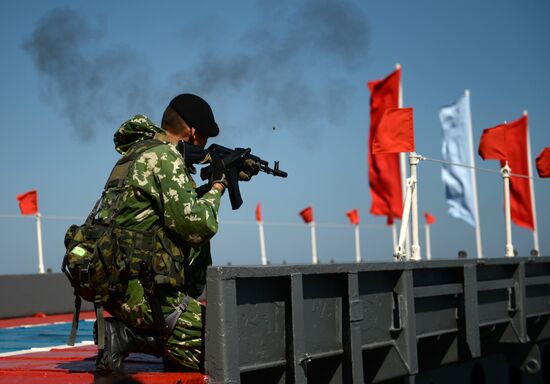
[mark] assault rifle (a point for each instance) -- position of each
(232, 161)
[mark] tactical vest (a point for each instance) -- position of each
(102, 257)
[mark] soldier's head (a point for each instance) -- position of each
(189, 118)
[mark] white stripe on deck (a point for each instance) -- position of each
(46, 349)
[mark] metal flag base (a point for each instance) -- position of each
(410, 207)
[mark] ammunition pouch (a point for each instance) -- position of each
(100, 260)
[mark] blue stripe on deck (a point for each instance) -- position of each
(21, 338)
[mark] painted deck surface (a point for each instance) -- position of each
(42, 319)
(77, 365)
(70, 365)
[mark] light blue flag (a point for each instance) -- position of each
(457, 148)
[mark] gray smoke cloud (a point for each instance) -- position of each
(292, 66)
(87, 87)
(281, 59)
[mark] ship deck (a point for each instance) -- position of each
(75, 365)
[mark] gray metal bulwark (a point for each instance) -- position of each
(372, 322)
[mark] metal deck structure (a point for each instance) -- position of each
(461, 321)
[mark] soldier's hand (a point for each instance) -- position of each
(250, 168)
(218, 173)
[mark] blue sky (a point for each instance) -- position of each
(72, 71)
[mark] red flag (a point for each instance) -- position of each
(384, 168)
(429, 218)
(492, 145)
(353, 216)
(259, 212)
(28, 202)
(543, 163)
(395, 132)
(307, 214)
(520, 190)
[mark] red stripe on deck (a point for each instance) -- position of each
(77, 365)
(44, 319)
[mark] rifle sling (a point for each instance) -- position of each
(76, 318)
(172, 318)
(147, 281)
(100, 323)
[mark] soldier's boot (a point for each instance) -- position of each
(120, 340)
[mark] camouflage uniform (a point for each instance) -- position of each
(160, 193)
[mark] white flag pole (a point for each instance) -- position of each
(39, 241)
(509, 248)
(314, 258)
(394, 235)
(532, 188)
(403, 160)
(414, 159)
(262, 242)
(428, 245)
(479, 247)
(400, 253)
(357, 244)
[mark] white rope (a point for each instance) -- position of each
(488, 170)
(325, 225)
(47, 217)
(274, 223)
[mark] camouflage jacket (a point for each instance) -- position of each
(160, 193)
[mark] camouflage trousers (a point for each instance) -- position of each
(184, 347)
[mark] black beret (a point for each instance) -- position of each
(196, 112)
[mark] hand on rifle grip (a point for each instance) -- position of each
(250, 168)
(218, 173)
